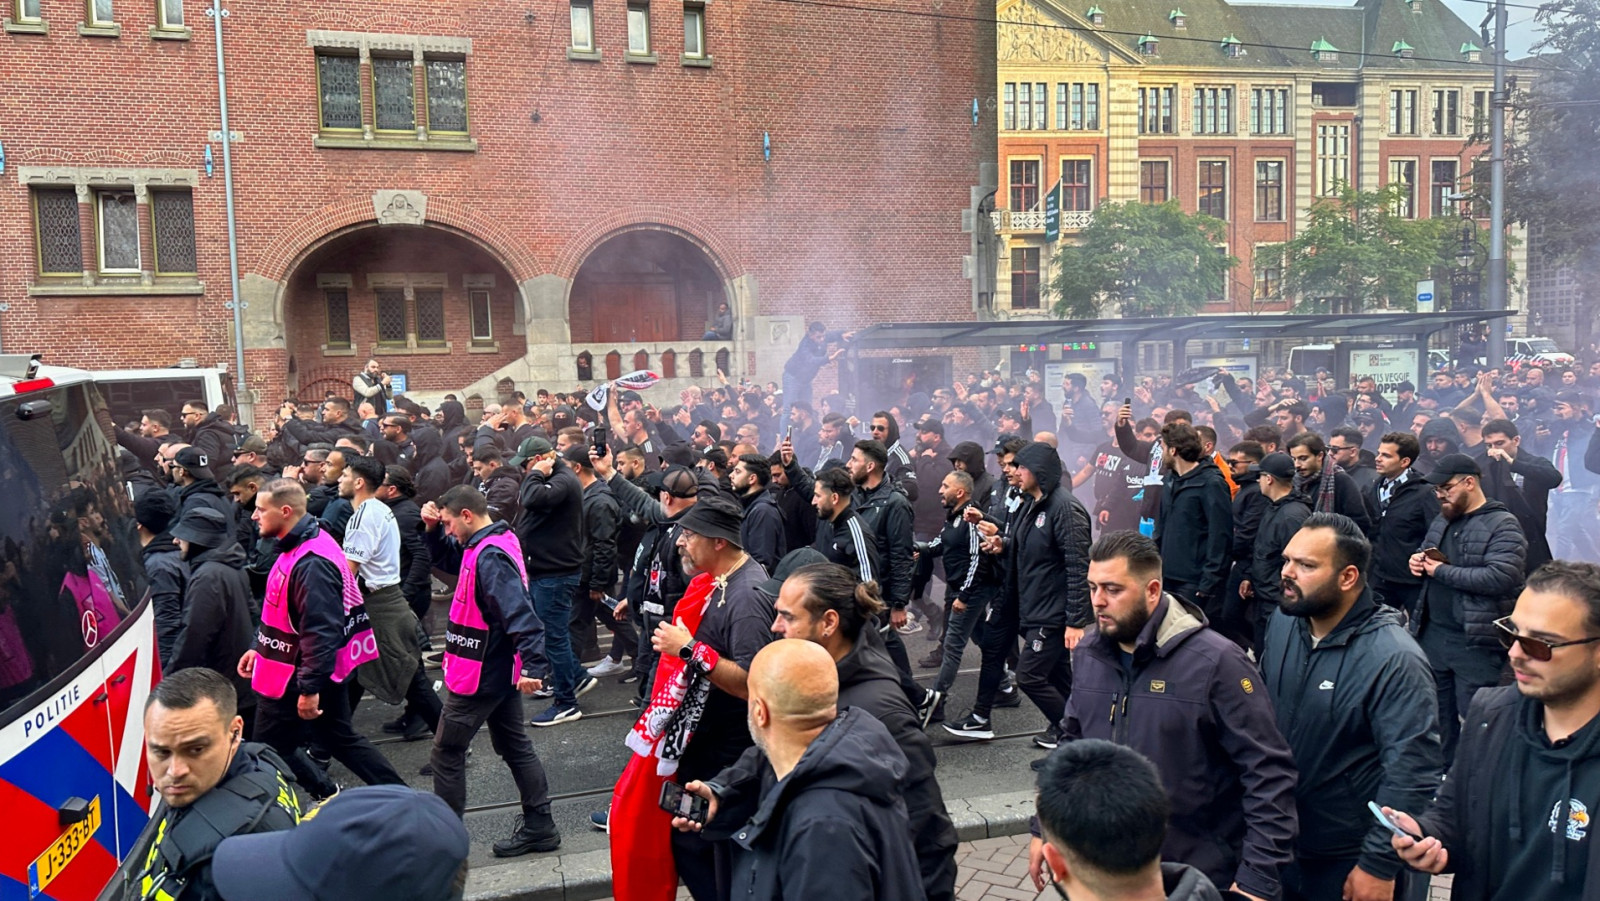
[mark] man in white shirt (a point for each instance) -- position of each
(372, 547)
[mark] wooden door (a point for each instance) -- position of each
(635, 313)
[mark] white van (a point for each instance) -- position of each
(130, 392)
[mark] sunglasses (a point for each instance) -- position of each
(1537, 648)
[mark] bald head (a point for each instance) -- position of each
(1048, 438)
(796, 685)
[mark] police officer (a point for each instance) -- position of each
(313, 634)
(214, 784)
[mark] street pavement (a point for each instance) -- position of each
(583, 758)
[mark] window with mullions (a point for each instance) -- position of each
(1213, 111)
(482, 327)
(1404, 174)
(1025, 278)
(1403, 111)
(391, 310)
(1269, 276)
(1077, 106)
(447, 95)
(1269, 190)
(1213, 188)
(1024, 185)
(1444, 186)
(60, 242)
(1077, 185)
(1333, 159)
(430, 315)
(1446, 112)
(172, 218)
(339, 91)
(1153, 181)
(117, 227)
(394, 94)
(1269, 111)
(1155, 111)
(336, 301)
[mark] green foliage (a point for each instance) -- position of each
(1357, 254)
(1153, 260)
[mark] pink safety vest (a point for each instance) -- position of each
(278, 643)
(466, 638)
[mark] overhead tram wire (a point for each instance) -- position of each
(918, 14)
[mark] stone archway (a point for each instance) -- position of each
(645, 285)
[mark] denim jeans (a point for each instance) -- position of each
(959, 626)
(552, 600)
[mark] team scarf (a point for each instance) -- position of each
(1326, 489)
(638, 380)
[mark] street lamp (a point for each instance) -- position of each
(1465, 279)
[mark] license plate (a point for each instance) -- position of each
(47, 866)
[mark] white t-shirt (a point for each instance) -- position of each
(372, 541)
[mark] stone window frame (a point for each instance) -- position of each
(409, 282)
(87, 181)
(17, 23)
(95, 27)
(421, 48)
(472, 283)
(167, 30)
(336, 281)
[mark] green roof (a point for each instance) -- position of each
(1470, 47)
(1401, 45)
(1230, 39)
(1174, 14)
(1321, 45)
(1095, 11)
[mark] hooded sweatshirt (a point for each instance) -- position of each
(1049, 549)
(1548, 808)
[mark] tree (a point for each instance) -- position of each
(1152, 259)
(1552, 168)
(1358, 253)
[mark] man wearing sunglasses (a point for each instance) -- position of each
(1518, 808)
(1471, 566)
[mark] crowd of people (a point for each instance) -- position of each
(1245, 608)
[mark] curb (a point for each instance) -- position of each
(587, 876)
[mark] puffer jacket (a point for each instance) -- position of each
(1048, 549)
(167, 573)
(1486, 550)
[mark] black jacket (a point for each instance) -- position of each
(656, 579)
(887, 513)
(1195, 528)
(305, 432)
(551, 525)
(932, 465)
(204, 493)
(835, 827)
(847, 541)
(1192, 702)
(1484, 576)
(1358, 711)
(316, 610)
(1279, 521)
(216, 438)
(968, 571)
(502, 595)
(503, 490)
(1248, 505)
(1399, 528)
(761, 532)
(218, 625)
(1468, 815)
(167, 573)
(416, 563)
(1524, 486)
(601, 515)
(1048, 549)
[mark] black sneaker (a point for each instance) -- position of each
(1011, 698)
(526, 840)
(933, 659)
(971, 728)
(416, 730)
(930, 703)
(1049, 738)
(399, 726)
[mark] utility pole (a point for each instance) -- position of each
(1496, 274)
(241, 393)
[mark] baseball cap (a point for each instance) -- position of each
(255, 444)
(931, 425)
(193, 462)
(530, 448)
(1279, 466)
(800, 556)
(374, 843)
(1571, 398)
(678, 481)
(1450, 466)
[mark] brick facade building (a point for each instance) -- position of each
(1247, 112)
(480, 191)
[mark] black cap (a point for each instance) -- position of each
(193, 462)
(630, 396)
(155, 511)
(1571, 398)
(803, 556)
(373, 843)
(678, 454)
(1277, 465)
(204, 526)
(931, 425)
(714, 517)
(1001, 440)
(1450, 466)
(577, 455)
(1405, 385)
(678, 481)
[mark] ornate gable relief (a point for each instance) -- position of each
(1028, 35)
(399, 207)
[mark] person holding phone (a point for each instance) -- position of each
(1515, 818)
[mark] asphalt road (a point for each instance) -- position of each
(583, 758)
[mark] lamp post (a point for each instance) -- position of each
(1465, 279)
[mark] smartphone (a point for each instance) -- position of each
(1434, 553)
(1377, 811)
(599, 437)
(1127, 401)
(679, 803)
(788, 434)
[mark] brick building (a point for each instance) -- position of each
(1246, 112)
(479, 191)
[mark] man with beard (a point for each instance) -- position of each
(761, 531)
(736, 626)
(1280, 519)
(899, 471)
(1188, 699)
(1327, 487)
(972, 586)
(1471, 565)
(1194, 527)
(1405, 506)
(1529, 767)
(1351, 691)
(1522, 482)
(500, 483)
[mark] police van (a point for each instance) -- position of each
(77, 640)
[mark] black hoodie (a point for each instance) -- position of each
(1195, 529)
(971, 456)
(1049, 549)
(218, 625)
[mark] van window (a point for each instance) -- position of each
(129, 399)
(69, 552)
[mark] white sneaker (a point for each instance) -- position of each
(608, 667)
(912, 626)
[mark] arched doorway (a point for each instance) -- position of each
(429, 303)
(644, 286)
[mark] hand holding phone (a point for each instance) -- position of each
(1434, 554)
(1390, 824)
(689, 806)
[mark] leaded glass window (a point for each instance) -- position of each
(60, 241)
(173, 215)
(119, 231)
(430, 315)
(394, 94)
(447, 95)
(337, 301)
(339, 83)
(391, 303)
